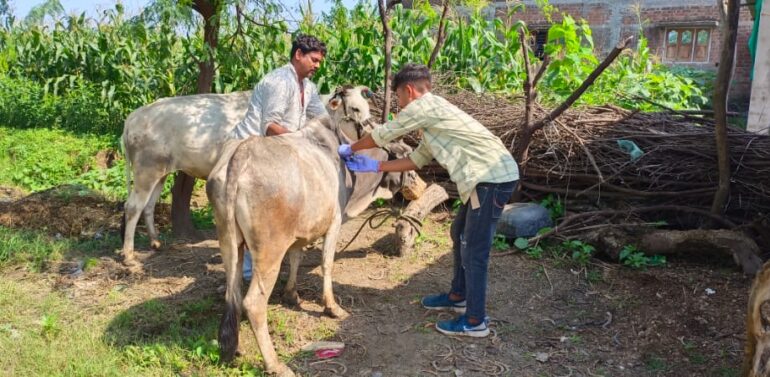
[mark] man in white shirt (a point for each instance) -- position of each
(284, 99)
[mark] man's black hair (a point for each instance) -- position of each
(412, 73)
(307, 44)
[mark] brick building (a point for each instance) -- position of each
(680, 32)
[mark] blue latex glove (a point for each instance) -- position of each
(362, 164)
(344, 151)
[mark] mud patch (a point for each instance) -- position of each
(70, 211)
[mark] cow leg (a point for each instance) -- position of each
(140, 194)
(267, 264)
(290, 295)
(331, 308)
(149, 214)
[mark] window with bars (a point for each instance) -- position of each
(688, 45)
(538, 42)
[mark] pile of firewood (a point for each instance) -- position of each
(578, 156)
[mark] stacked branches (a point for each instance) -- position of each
(578, 156)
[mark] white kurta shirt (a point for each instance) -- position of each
(276, 99)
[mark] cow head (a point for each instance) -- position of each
(349, 108)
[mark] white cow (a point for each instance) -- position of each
(188, 133)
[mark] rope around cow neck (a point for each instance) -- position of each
(385, 214)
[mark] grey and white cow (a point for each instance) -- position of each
(188, 133)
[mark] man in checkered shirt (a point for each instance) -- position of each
(477, 161)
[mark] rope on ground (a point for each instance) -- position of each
(386, 214)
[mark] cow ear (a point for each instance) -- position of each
(335, 103)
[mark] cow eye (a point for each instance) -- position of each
(356, 109)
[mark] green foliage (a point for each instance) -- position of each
(38, 159)
(206, 349)
(534, 252)
(456, 206)
(86, 75)
(27, 246)
(554, 206)
(499, 242)
(203, 218)
(580, 252)
(632, 257)
(111, 182)
(49, 326)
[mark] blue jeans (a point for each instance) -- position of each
(246, 264)
(472, 233)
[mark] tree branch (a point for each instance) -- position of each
(721, 91)
(526, 138)
(440, 35)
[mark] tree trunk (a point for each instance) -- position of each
(417, 209)
(440, 35)
(700, 242)
(385, 18)
(209, 10)
(724, 74)
(181, 217)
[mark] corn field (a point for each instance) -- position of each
(86, 74)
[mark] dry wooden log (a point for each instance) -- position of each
(413, 187)
(756, 359)
(743, 249)
(417, 209)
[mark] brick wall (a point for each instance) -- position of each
(613, 20)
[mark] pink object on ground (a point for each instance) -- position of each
(328, 353)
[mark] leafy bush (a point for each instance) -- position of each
(37, 159)
(581, 252)
(632, 257)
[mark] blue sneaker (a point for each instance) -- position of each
(441, 301)
(461, 327)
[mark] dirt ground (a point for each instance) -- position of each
(550, 318)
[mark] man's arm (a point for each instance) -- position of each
(275, 104)
(275, 129)
(402, 164)
(365, 142)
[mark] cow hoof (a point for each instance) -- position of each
(282, 370)
(155, 244)
(132, 264)
(291, 298)
(335, 311)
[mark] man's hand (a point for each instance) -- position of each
(275, 129)
(362, 164)
(345, 151)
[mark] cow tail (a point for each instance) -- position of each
(127, 168)
(228, 328)
(124, 150)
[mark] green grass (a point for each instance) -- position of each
(17, 246)
(35, 248)
(37, 159)
(42, 333)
